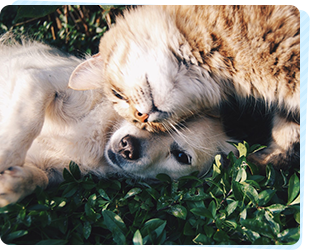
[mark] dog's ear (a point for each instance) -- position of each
(87, 75)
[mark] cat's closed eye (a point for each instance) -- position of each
(118, 95)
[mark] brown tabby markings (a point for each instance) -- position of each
(247, 50)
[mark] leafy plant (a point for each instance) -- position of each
(236, 205)
(72, 28)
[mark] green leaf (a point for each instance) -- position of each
(62, 225)
(256, 147)
(164, 178)
(67, 175)
(153, 193)
(258, 225)
(231, 157)
(290, 234)
(115, 224)
(252, 235)
(250, 192)
(231, 207)
(87, 229)
(212, 209)
(88, 184)
(153, 225)
(243, 214)
(252, 183)
(255, 170)
(242, 149)
(15, 235)
(137, 238)
(201, 239)
(276, 208)
(103, 194)
(133, 192)
(188, 230)
(179, 211)
(75, 170)
(293, 188)
(271, 175)
(237, 190)
(162, 203)
(209, 230)
(135, 206)
(273, 225)
(35, 11)
(114, 220)
(265, 196)
(240, 175)
(89, 210)
(21, 215)
(218, 164)
(221, 236)
(202, 212)
(231, 224)
(115, 184)
(38, 207)
(70, 190)
(297, 217)
(284, 177)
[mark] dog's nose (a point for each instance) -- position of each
(129, 148)
(141, 117)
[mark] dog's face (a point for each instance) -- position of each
(144, 154)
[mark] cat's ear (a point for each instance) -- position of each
(88, 74)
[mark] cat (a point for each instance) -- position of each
(162, 64)
(44, 125)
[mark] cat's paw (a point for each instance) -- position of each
(13, 185)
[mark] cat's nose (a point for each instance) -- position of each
(129, 148)
(141, 117)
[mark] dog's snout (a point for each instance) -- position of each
(129, 148)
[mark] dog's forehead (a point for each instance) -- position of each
(195, 129)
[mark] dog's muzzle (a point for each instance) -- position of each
(128, 149)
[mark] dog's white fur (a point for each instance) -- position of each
(44, 125)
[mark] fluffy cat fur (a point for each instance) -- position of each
(164, 63)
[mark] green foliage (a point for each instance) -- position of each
(72, 28)
(236, 205)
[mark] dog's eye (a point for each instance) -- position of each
(118, 95)
(182, 157)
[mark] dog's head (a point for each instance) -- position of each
(143, 154)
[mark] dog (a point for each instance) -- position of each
(44, 125)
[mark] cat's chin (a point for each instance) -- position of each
(152, 127)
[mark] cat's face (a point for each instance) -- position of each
(152, 87)
(153, 81)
